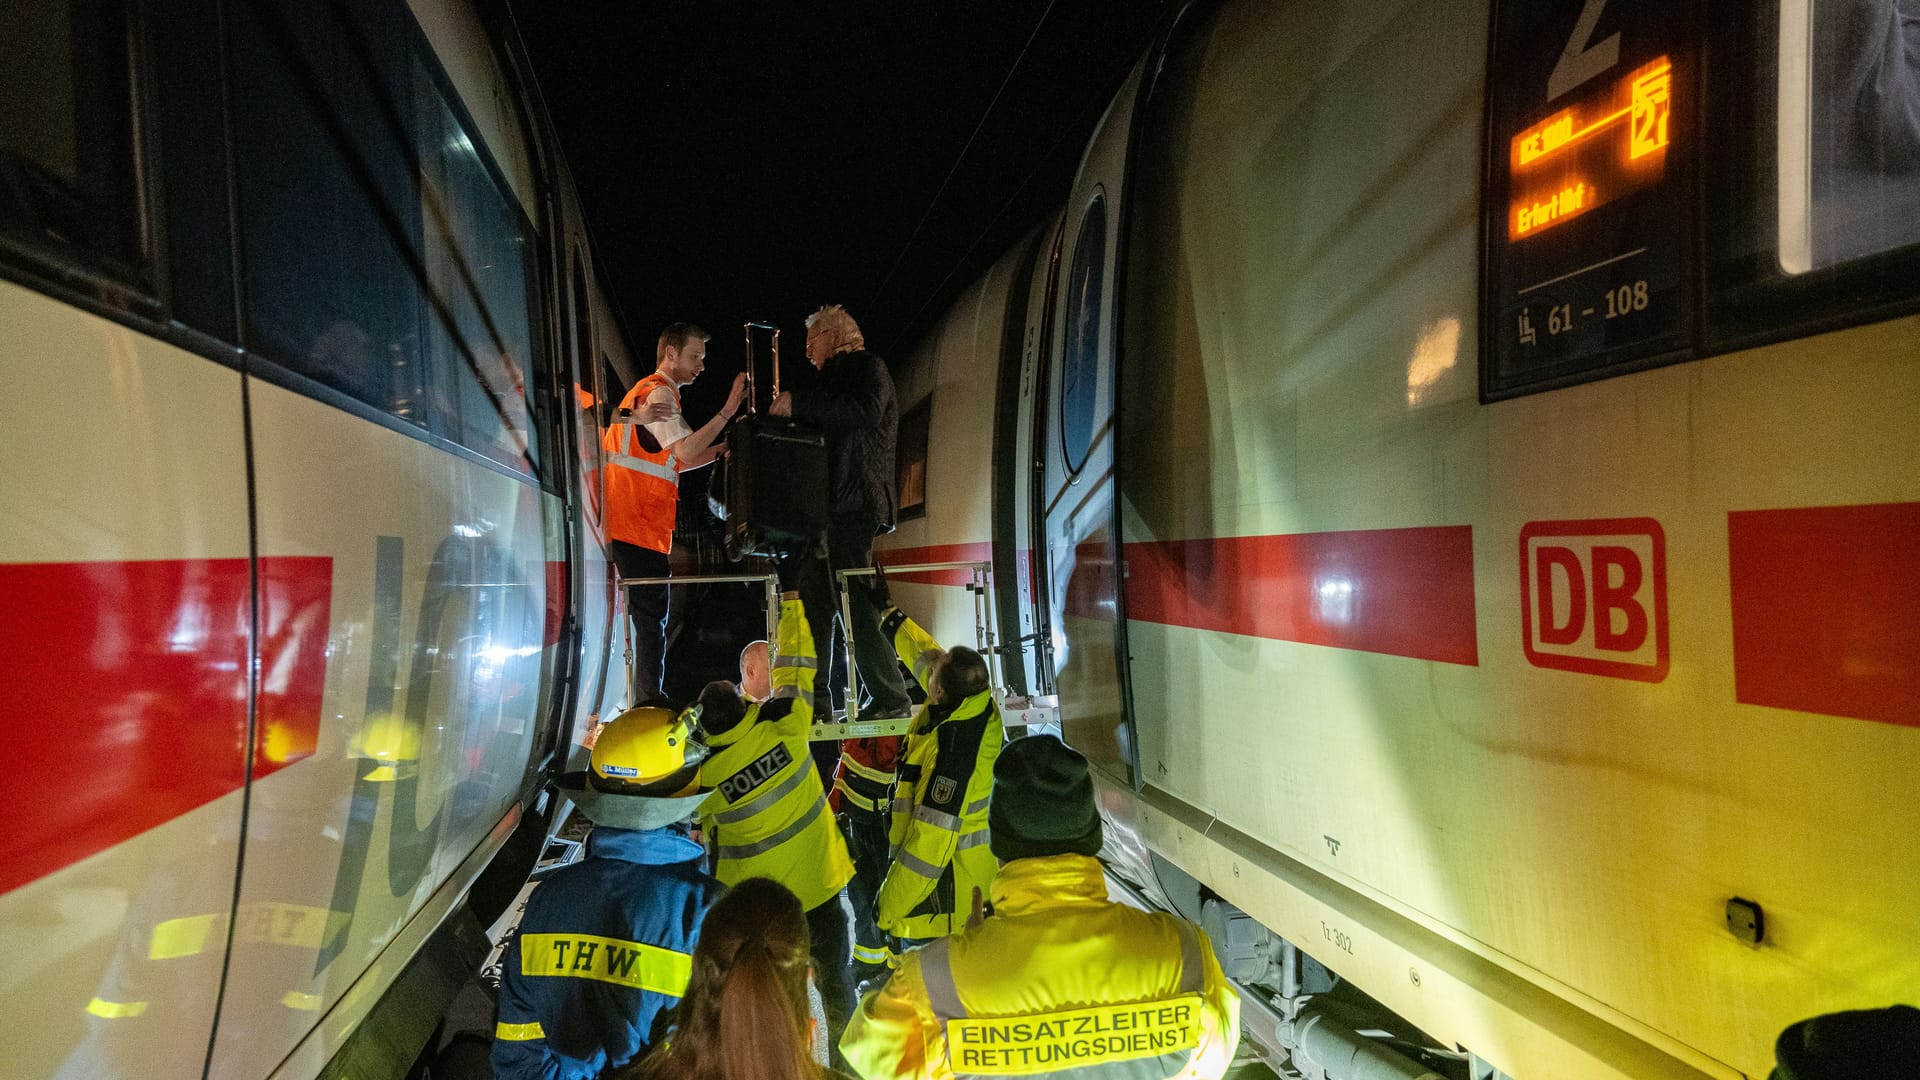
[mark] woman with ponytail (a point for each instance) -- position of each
(745, 1014)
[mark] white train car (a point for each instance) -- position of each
(305, 593)
(1459, 469)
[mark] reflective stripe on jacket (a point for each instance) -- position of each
(643, 487)
(940, 799)
(605, 948)
(864, 781)
(1058, 982)
(767, 816)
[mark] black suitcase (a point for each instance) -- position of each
(774, 491)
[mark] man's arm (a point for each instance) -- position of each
(691, 452)
(704, 457)
(793, 670)
(886, 1036)
(1220, 1024)
(519, 1042)
(916, 648)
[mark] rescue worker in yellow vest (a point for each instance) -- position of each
(605, 947)
(938, 835)
(1058, 981)
(648, 445)
(862, 798)
(767, 814)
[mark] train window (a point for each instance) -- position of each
(196, 216)
(67, 175)
(1814, 219)
(418, 296)
(1588, 209)
(1849, 130)
(328, 228)
(586, 395)
(910, 463)
(580, 344)
(1080, 367)
(612, 390)
(479, 267)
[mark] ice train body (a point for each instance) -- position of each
(1459, 471)
(305, 592)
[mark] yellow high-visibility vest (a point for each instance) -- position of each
(643, 487)
(940, 801)
(1059, 981)
(767, 816)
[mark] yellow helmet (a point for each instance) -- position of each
(392, 744)
(643, 747)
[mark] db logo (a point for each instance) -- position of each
(1593, 596)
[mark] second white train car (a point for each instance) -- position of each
(1459, 470)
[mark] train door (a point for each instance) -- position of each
(593, 597)
(1023, 628)
(129, 595)
(1076, 558)
(598, 392)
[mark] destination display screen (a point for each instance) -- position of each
(1588, 206)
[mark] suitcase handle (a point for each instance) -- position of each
(752, 378)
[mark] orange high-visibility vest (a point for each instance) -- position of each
(643, 489)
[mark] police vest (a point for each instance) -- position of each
(938, 833)
(1154, 1039)
(643, 487)
(767, 816)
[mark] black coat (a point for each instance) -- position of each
(853, 404)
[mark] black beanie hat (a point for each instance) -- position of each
(1865, 1044)
(1042, 801)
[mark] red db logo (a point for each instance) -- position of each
(1593, 596)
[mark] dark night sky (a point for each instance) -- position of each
(757, 160)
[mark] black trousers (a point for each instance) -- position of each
(866, 833)
(647, 604)
(850, 548)
(833, 965)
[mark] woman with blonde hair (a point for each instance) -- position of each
(745, 1015)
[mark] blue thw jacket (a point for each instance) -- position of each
(605, 947)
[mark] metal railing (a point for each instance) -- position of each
(984, 615)
(848, 725)
(769, 582)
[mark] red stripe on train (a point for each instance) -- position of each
(127, 694)
(1826, 609)
(1404, 592)
(981, 551)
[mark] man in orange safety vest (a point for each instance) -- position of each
(648, 446)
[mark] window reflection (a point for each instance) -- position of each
(383, 257)
(66, 152)
(1849, 130)
(476, 257)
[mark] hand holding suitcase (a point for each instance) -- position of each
(774, 491)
